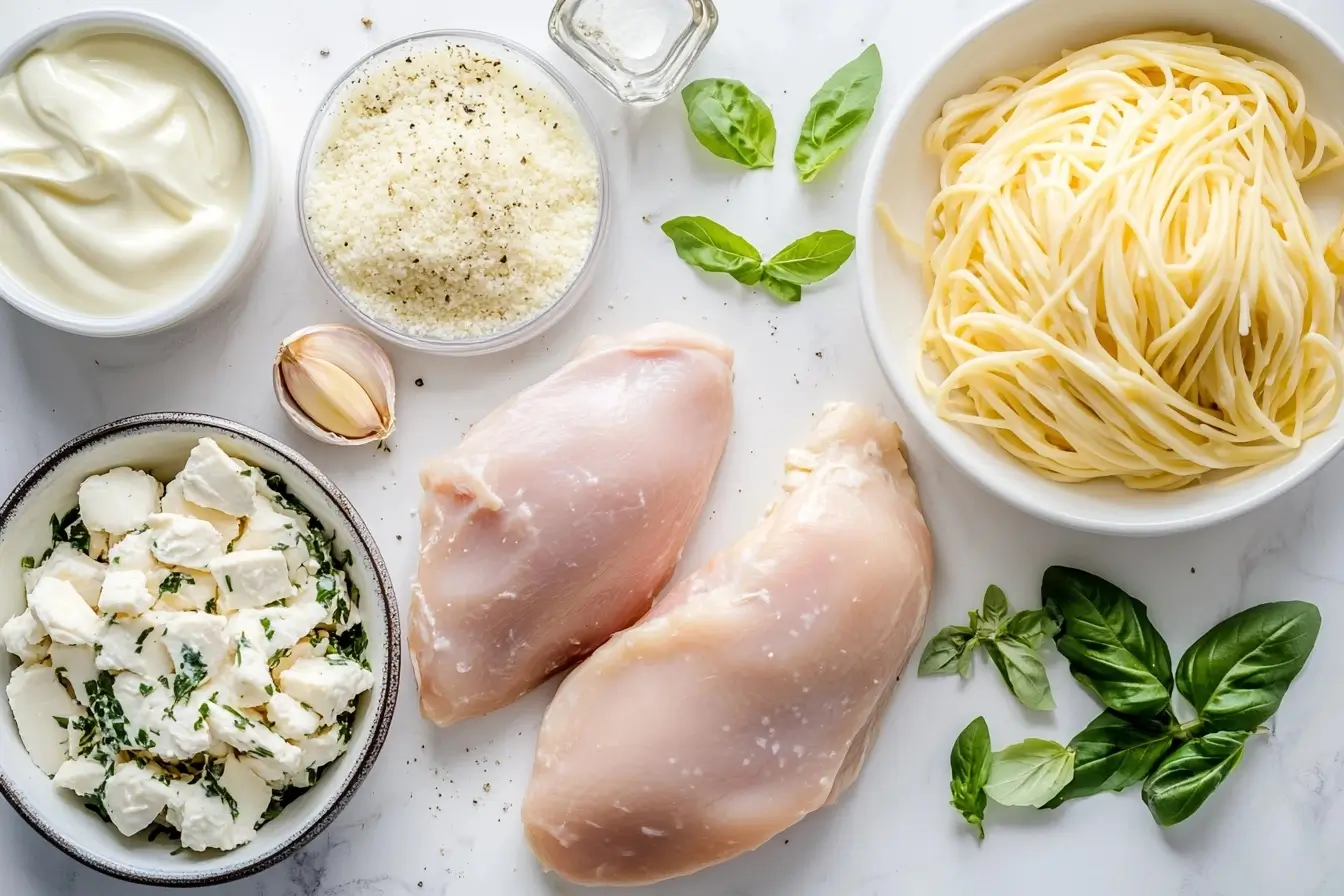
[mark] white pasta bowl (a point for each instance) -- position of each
(904, 178)
(160, 443)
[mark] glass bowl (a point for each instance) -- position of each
(543, 76)
(674, 32)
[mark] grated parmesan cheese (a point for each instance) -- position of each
(453, 197)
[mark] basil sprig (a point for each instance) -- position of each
(1010, 639)
(710, 246)
(1234, 677)
(838, 114)
(971, 760)
(731, 121)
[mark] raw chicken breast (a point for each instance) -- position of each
(562, 514)
(751, 693)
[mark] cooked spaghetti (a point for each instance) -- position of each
(1125, 278)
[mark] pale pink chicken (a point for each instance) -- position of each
(751, 693)
(562, 513)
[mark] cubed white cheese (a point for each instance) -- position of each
(290, 718)
(184, 541)
(42, 710)
(134, 644)
(327, 591)
(99, 542)
(175, 502)
(213, 479)
(75, 664)
(319, 751)
(169, 732)
(282, 627)
(249, 579)
(196, 642)
(225, 818)
(134, 797)
(182, 589)
(326, 684)
(248, 734)
(25, 637)
(246, 679)
(271, 526)
(204, 819)
(133, 552)
(63, 612)
(125, 591)
(83, 776)
(119, 500)
(70, 565)
(315, 645)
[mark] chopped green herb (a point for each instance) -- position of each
(28, 563)
(70, 529)
(228, 583)
(262, 752)
(346, 725)
(193, 674)
(212, 605)
(277, 657)
(240, 721)
(63, 721)
(266, 627)
(142, 739)
(140, 641)
(202, 714)
(107, 710)
(353, 643)
(270, 690)
(172, 583)
(210, 776)
(146, 689)
(238, 651)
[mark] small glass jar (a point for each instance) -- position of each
(640, 50)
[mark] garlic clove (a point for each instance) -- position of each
(332, 398)
(336, 384)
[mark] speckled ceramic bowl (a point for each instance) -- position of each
(160, 443)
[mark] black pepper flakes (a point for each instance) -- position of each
(419, 381)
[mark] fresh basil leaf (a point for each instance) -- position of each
(1029, 773)
(971, 760)
(1031, 627)
(943, 652)
(1112, 648)
(838, 113)
(712, 247)
(781, 289)
(1236, 675)
(1023, 671)
(994, 607)
(731, 121)
(812, 258)
(1113, 752)
(1187, 777)
(965, 665)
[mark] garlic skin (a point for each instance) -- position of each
(336, 384)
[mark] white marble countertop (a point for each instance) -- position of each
(439, 815)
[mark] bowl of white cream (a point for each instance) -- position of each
(135, 175)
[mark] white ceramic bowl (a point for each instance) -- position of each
(904, 177)
(245, 250)
(540, 74)
(160, 443)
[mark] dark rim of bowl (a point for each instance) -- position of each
(391, 666)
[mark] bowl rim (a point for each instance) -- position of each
(528, 328)
(244, 249)
(391, 666)
(1172, 521)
